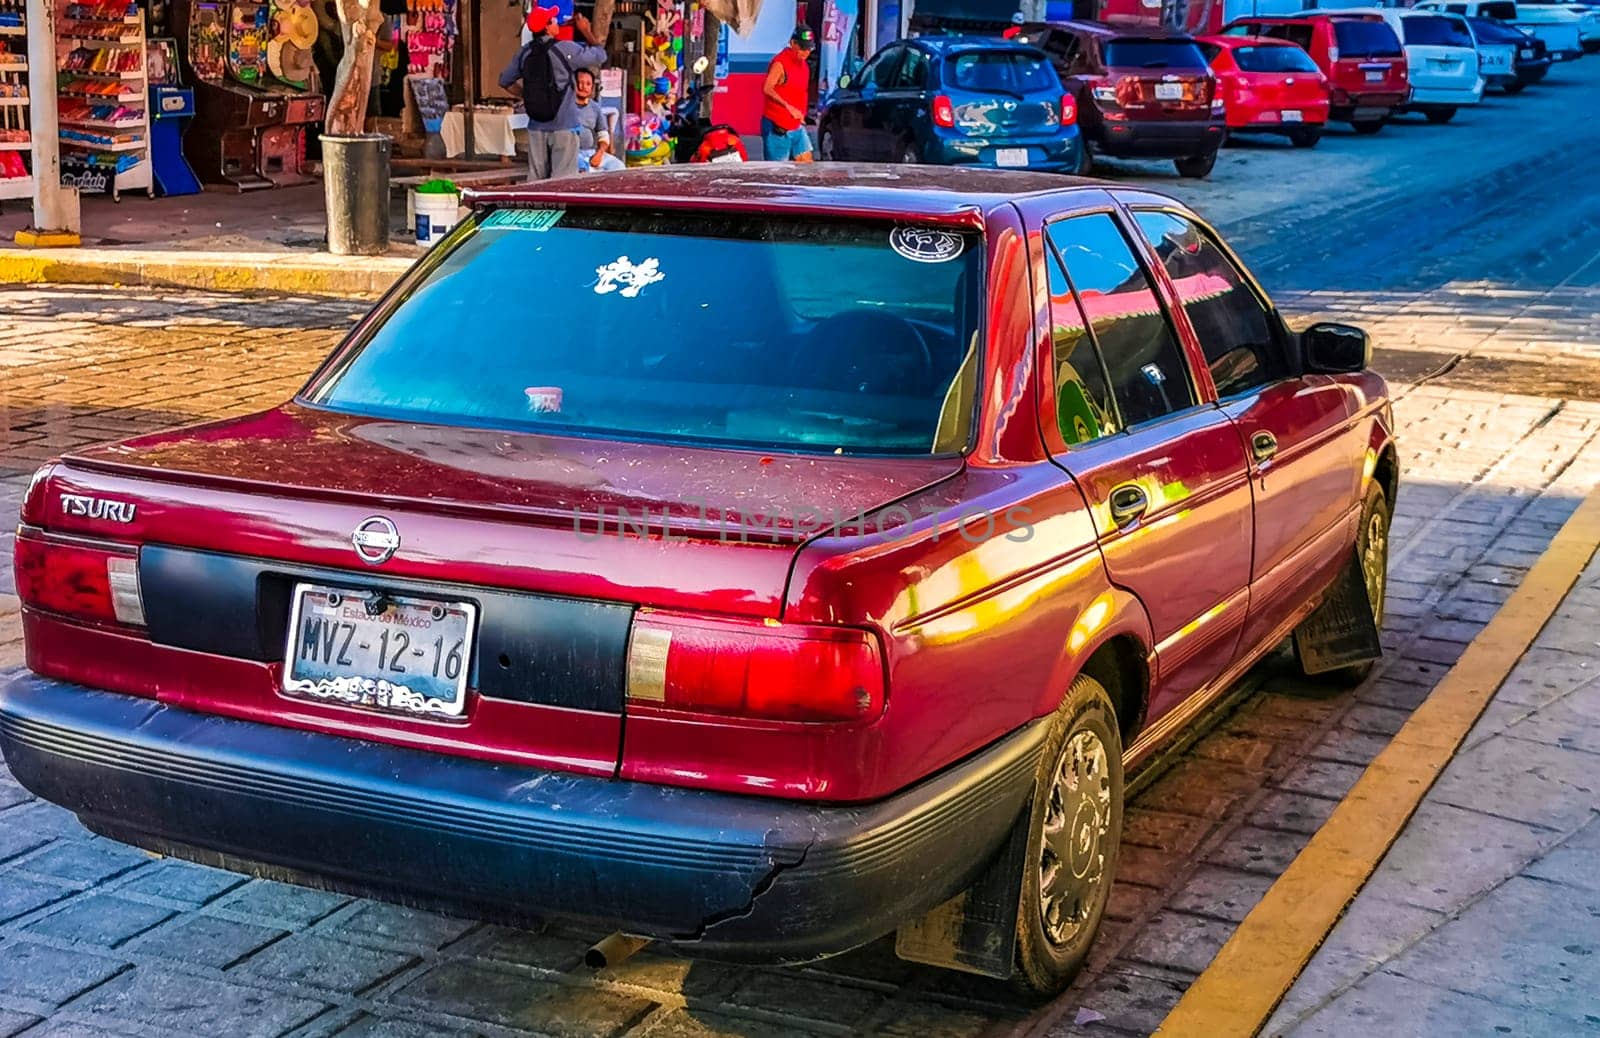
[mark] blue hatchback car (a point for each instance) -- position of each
(954, 101)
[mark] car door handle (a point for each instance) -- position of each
(1263, 447)
(1128, 503)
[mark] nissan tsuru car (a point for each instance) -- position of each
(761, 561)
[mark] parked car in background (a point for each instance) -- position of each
(1140, 92)
(1497, 57)
(952, 493)
(1588, 11)
(1441, 61)
(1555, 24)
(1360, 55)
(1530, 60)
(1268, 86)
(953, 101)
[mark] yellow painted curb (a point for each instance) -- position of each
(32, 238)
(1250, 975)
(280, 272)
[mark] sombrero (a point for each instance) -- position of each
(289, 64)
(298, 23)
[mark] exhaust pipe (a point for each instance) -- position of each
(613, 951)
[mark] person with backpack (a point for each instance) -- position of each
(542, 75)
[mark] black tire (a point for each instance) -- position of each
(908, 154)
(1305, 138)
(1372, 549)
(1085, 165)
(1077, 808)
(1440, 116)
(828, 146)
(1366, 127)
(1516, 86)
(1196, 166)
(1590, 46)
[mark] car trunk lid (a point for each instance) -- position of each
(1160, 79)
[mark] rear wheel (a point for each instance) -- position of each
(909, 156)
(1305, 138)
(1367, 126)
(1074, 832)
(1085, 164)
(1440, 116)
(1515, 86)
(1196, 165)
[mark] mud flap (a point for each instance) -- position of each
(1342, 631)
(975, 931)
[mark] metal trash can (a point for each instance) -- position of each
(355, 182)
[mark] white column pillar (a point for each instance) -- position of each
(55, 208)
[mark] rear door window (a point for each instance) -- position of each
(1364, 39)
(1085, 408)
(881, 71)
(1144, 363)
(1236, 332)
(1273, 59)
(1134, 53)
(1429, 30)
(1001, 72)
(913, 74)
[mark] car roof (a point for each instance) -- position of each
(1245, 41)
(934, 194)
(1365, 14)
(1105, 31)
(958, 44)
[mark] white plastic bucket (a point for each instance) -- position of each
(435, 215)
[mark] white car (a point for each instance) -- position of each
(1441, 60)
(1556, 24)
(1588, 21)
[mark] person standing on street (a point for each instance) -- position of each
(542, 76)
(786, 96)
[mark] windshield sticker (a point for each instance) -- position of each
(923, 245)
(524, 219)
(628, 277)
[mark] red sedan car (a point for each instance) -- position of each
(1269, 86)
(755, 560)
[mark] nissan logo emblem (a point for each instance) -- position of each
(376, 540)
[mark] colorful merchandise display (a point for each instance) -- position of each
(16, 138)
(102, 104)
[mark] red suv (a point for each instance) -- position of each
(854, 590)
(1141, 92)
(1359, 53)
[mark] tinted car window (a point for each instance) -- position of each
(1505, 12)
(1273, 59)
(913, 73)
(1085, 409)
(1234, 328)
(1429, 30)
(1148, 375)
(1154, 54)
(1000, 71)
(1360, 39)
(1493, 32)
(880, 72)
(1210, 50)
(743, 330)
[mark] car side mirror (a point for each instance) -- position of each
(1335, 349)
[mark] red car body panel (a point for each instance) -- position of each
(1258, 99)
(1013, 613)
(1359, 87)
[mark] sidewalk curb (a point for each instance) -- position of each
(1238, 991)
(286, 273)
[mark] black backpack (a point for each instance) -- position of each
(541, 97)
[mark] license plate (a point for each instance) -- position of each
(1291, 117)
(1374, 77)
(391, 653)
(1527, 55)
(1011, 157)
(1169, 91)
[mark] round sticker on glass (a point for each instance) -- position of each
(926, 245)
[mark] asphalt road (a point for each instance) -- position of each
(1472, 251)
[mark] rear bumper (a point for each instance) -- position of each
(716, 874)
(1166, 139)
(1423, 98)
(1055, 151)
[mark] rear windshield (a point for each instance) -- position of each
(1493, 32)
(1154, 54)
(1273, 59)
(1429, 30)
(750, 331)
(1360, 39)
(1001, 72)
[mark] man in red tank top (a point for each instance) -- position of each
(785, 97)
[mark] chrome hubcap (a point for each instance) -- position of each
(1076, 820)
(1374, 561)
(827, 147)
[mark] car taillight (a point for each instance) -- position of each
(79, 578)
(1104, 92)
(944, 113)
(754, 669)
(1069, 110)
